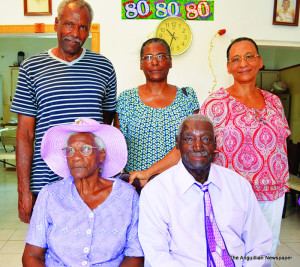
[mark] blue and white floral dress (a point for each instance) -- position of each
(150, 132)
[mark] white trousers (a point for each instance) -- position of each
(273, 214)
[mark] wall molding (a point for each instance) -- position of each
(41, 28)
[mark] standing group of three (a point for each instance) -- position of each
(68, 82)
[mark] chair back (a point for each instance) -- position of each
(9, 138)
(293, 152)
(136, 183)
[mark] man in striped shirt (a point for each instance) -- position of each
(56, 87)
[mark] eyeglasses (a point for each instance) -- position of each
(159, 57)
(247, 58)
(85, 150)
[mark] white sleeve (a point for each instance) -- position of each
(153, 230)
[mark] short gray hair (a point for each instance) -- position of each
(99, 142)
(79, 3)
(193, 117)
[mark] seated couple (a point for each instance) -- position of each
(194, 214)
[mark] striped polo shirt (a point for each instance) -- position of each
(58, 92)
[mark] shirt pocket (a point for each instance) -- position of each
(231, 225)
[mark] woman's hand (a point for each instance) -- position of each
(165, 163)
(142, 176)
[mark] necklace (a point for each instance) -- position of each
(253, 112)
(259, 117)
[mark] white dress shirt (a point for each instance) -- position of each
(172, 227)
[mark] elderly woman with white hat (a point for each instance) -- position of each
(84, 219)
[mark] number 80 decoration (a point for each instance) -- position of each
(143, 9)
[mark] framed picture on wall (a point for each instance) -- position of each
(37, 7)
(286, 12)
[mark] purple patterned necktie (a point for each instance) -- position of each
(217, 254)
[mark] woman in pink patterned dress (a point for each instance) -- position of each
(251, 131)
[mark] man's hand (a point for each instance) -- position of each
(25, 206)
(24, 156)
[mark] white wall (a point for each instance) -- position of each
(121, 39)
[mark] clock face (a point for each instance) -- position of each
(176, 32)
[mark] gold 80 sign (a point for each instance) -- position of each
(176, 32)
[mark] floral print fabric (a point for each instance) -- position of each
(75, 235)
(150, 132)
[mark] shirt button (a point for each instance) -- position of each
(91, 215)
(88, 231)
(84, 263)
(86, 250)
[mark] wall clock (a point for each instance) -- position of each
(176, 32)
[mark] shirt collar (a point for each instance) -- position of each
(67, 62)
(186, 180)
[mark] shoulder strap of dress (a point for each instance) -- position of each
(184, 91)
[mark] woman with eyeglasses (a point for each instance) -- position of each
(87, 218)
(150, 114)
(251, 131)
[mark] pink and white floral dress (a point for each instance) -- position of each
(251, 142)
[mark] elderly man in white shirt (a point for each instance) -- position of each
(200, 214)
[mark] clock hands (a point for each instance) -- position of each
(173, 37)
(171, 34)
(171, 41)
